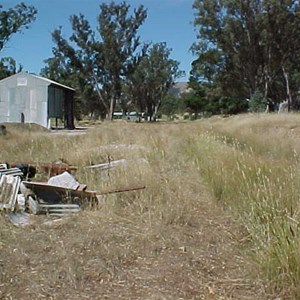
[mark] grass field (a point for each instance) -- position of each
(219, 218)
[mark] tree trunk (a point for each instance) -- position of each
(267, 80)
(150, 113)
(100, 94)
(111, 109)
(288, 93)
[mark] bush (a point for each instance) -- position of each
(231, 105)
(258, 102)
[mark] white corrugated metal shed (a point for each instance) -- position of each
(28, 98)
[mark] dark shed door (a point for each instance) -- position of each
(55, 102)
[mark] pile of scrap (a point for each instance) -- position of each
(54, 197)
(54, 168)
(61, 195)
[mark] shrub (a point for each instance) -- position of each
(258, 102)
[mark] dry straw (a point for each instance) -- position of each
(169, 241)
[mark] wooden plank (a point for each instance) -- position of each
(59, 206)
(11, 171)
(9, 188)
(61, 211)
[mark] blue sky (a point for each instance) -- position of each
(168, 21)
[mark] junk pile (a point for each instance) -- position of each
(62, 195)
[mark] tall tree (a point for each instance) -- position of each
(120, 42)
(13, 20)
(152, 79)
(282, 29)
(247, 46)
(8, 66)
(104, 58)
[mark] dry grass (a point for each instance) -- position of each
(263, 133)
(251, 164)
(170, 241)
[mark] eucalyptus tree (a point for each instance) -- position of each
(228, 52)
(154, 75)
(13, 20)
(247, 46)
(106, 56)
(8, 66)
(282, 31)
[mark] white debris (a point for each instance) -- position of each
(65, 180)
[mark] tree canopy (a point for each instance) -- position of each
(100, 59)
(245, 47)
(153, 77)
(13, 20)
(110, 66)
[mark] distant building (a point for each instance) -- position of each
(28, 98)
(180, 88)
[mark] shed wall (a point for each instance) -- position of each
(24, 98)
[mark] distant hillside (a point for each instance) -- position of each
(180, 88)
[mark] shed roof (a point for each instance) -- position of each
(49, 81)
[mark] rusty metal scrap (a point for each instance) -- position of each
(121, 190)
(56, 194)
(61, 195)
(52, 169)
(56, 168)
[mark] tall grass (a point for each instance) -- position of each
(248, 164)
(246, 173)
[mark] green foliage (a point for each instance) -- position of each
(14, 20)
(113, 68)
(258, 102)
(8, 67)
(209, 101)
(154, 75)
(194, 103)
(171, 105)
(196, 100)
(248, 46)
(230, 105)
(100, 62)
